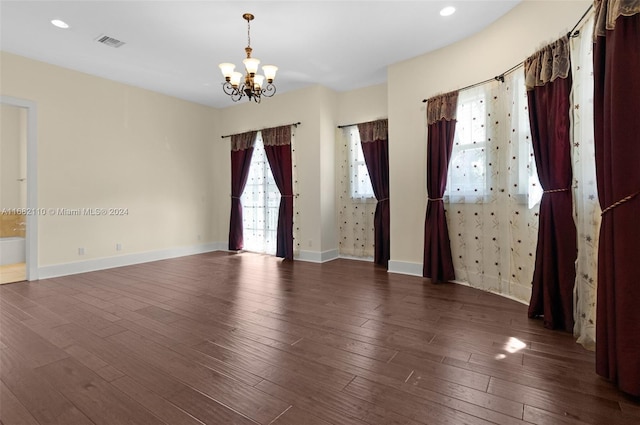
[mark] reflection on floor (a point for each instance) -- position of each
(13, 273)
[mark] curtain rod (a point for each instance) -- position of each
(573, 33)
(295, 124)
(500, 77)
(496, 78)
(350, 125)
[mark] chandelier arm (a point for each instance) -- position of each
(228, 89)
(238, 93)
(235, 93)
(269, 90)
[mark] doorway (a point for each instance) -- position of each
(18, 200)
(260, 204)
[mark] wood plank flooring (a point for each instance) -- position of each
(225, 338)
(13, 273)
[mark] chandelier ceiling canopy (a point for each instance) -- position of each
(253, 86)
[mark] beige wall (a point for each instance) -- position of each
(499, 47)
(328, 117)
(362, 105)
(102, 144)
(13, 138)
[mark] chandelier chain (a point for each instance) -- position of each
(248, 33)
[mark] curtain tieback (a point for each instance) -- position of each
(557, 190)
(286, 196)
(235, 197)
(620, 202)
(435, 199)
(383, 199)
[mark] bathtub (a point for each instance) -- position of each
(12, 251)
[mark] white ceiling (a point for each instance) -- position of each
(174, 47)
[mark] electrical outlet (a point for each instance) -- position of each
(118, 247)
(80, 251)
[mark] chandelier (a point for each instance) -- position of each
(253, 86)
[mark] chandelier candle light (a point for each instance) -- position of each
(253, 86)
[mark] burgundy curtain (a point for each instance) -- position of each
(375, 146)
(441, 121)
(617, 143)
(277, 147)
(241, 151)
(548, 77)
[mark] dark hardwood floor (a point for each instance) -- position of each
(243, 339)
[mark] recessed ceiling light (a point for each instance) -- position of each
(60, 24)
(448, 11)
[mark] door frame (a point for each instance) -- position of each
(32, 182)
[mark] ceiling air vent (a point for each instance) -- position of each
(109, 41)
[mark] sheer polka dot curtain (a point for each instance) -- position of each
(356, 201)
(492, 193)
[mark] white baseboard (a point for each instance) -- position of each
(318, 257)
(57, 270)
(402, 267)
(351, 257)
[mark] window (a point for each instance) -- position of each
(468, 167)
(260, 203)
(492, 151)
(360, 183)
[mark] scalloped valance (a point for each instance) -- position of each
(277, 136)
(442, 107)
(548, 64)
(373, 130)
(608, 11)
(243, 141)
